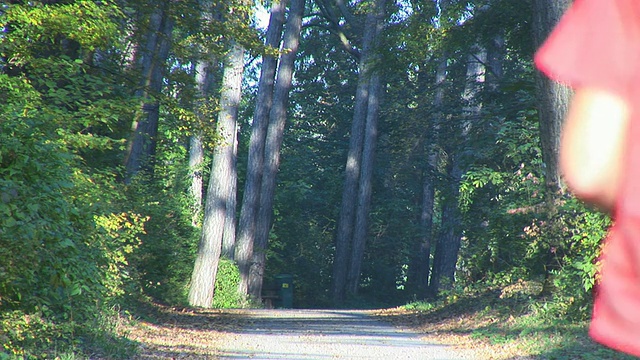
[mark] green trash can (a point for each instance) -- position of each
(285, 286)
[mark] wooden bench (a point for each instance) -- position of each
(268, 298)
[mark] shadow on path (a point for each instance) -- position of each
(319, 334)
(278, 334)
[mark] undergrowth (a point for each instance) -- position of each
(33, 336)
(503, 323)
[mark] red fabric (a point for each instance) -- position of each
(597, 44)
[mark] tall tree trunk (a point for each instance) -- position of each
(553, 98)
(204, 80)
(363, 199)
(142, 146)
(553, 101)
(205, 68)
(496, 53)
(144, 54)
(421, 261)
(420, 267)
(201, 289)
(196, 158)
(255, 163)
(448, 243)
(229, 232)
(352, 170)
(275, 134)
(364, 187)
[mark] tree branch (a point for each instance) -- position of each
(329, 14)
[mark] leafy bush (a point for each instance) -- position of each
(66, 234)
(575, 279)
(164, 260)
(226, 287)
(21, 333)
(64, 254)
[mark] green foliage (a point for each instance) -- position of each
(226, 288)
(65, 234)
(64, 249)
(164, 259)
(37, 30)
(589, 229)
(125, 230)
(35, 336)
(19, 331)
(574, 277)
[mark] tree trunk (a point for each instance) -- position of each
(142, 146)
(255, 163)
(420, 268)
(448, 243)
(275, 134)
(205, 82)
(367, 162)
(352, 169)
(496, 53)
(553, 98)
(421, 261)
(144, 54)
(222, 172)
(229, 232)
(196, 158)
(423, 254)
(364, 187)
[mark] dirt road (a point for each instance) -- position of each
(285, 334)
(326, 334)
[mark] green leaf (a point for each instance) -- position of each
(67, 243)
(75, 290)
(10, 222)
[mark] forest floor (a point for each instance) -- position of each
(483, 326)
(499, 327)
(180, 333)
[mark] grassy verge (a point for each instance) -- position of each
(491, 325)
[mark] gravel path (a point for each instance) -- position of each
(325, 334)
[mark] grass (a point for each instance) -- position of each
(490, 325)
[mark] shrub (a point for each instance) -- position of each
(226, 288)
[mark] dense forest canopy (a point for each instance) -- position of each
(377, 151)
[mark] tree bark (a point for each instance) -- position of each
(496, 53)
(142, 146)
(420, 268)
(196, 158)
(205, 68)
(201, 289)
(449, 240)
(553, 98)
(352, 170)
(364, 187)
(275, 134)
(145, 53)
(255, 163)
(229, 232)
(421, 261)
